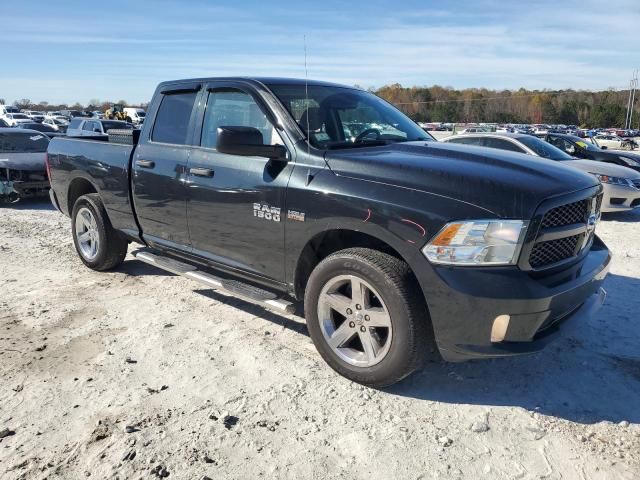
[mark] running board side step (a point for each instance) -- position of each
(233, 287)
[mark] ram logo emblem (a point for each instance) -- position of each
(267, 212)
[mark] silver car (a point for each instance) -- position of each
(82, 127)
(621, 184)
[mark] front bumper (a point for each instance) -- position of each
(618, 198)
(466, 303)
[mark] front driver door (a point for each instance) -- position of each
(236, 206)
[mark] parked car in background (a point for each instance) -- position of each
(136, 115)
(82, 127)
(584, 148)
(3, 123)
(621, 184)
(97, 114)
(60, 123)
(474, 130)
(69, 114)
(5, 109)
(48, 130)
(615, 142)
(14, 119)
(22, 164)
(34, 115)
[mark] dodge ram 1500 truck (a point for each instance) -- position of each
(281, 190)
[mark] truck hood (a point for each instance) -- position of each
(603, 168)
(23, 161)
(506, 184)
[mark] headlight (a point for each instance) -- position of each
(622, 182)
(478, 242)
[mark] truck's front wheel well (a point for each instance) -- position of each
(78, 187)
(326, 243)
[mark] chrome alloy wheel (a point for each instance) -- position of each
(354, 320)
(87, 233)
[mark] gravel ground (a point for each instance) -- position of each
(141, 374)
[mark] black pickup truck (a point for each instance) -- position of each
(281, 190)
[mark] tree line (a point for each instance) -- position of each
(444, 104)
(570, 107)
(94, 104)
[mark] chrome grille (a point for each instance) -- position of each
(576, 212)
(551, 247)
(546, 253)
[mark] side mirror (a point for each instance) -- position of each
(603, 147)
(248, 142)
(571, 149)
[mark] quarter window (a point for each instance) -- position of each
(172, 121)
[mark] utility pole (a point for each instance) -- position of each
(633, 85)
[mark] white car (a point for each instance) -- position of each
(621, 185)
(614, 142)
(6, 109)
(135, 114)
(35, 116)
(14, 119)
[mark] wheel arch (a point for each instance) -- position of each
(324, 243)
(79, 186)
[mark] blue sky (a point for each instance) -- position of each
(68, 50)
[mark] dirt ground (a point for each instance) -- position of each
(141, 374)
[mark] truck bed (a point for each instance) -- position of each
(104, 166)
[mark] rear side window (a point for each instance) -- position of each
(19, 142)
(467, 141)
(172, 120)
(502, 144)
(75, 122)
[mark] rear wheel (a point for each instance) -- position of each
(367, 316)
(98, 244)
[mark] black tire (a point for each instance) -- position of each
(412, 340)
(112, 246)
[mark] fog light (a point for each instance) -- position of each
(499, 328)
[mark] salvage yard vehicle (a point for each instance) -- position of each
(80, 127)
(583, 148)
(614, 142)
(621, 185)
(15, 119)
(22, 164)
(393, 240)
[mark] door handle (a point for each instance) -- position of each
(145, 163)
(201, 172)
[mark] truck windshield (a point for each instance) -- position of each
(338, 117)
(23, 142)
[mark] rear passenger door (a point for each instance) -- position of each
(236, 206)
(160, 170)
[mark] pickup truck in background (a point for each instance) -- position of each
(281, 190)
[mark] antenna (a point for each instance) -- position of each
(306, 97)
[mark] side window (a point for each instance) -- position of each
(502, 145)
(89, 126)
(172, 121)
(467, 141)
(234, 108)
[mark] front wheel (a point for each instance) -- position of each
(367, 316)
(98, 244)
